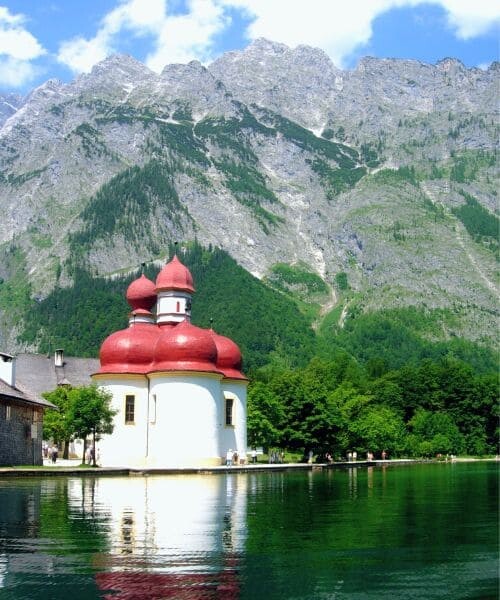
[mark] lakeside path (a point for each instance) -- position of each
(72, 468)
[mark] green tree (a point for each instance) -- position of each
(379, 428)
(89, 413)
(434, 433)
(265, 416)
(55, 422)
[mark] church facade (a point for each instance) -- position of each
(177, 389)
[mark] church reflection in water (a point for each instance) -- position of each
(168, 537)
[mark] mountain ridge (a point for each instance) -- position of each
(276, 156)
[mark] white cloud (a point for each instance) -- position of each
(16, 73)
(341, 27)
(176, 38)
(337, 27)
(188, 36)
(470, 19)
(18, 47)
(135, 16)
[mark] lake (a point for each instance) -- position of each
(416, 532)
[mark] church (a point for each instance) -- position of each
(177, 389)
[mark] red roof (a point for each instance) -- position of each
(228, 356)
(129, 350)
(141, 293)
(185, 347)
(175, 276)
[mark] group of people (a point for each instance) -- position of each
(232, 457)
(51, 452)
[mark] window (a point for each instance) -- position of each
(129, 409)
(7, 413)
(229, 411)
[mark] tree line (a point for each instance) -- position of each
(335, 406)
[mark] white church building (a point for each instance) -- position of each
(177, 389)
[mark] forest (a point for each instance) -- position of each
(377, 384)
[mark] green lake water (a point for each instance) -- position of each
(413, 532)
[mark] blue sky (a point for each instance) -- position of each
(41, 39)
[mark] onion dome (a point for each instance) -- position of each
(129, 350)
(141, 293)
(175, 276)
(228, 356)
(185, 347)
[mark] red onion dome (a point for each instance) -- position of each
(228, 357)
(175, 276)
(185, 347)
(129, 350)
(141, 293)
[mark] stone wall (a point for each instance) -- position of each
(17, 447)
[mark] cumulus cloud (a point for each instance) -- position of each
(341, 27)
(135, 16)
(337, 27)
(18, 48)
(188, 36)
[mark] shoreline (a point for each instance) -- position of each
(249, 468)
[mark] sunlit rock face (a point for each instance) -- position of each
(272, 153)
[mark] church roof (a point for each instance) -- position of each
(175, 276)
(176, 345)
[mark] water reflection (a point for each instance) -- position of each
(146, 537)
(182, 534)
(425, 532)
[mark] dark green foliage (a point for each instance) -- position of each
(400, 175)
(397, 337)
(179, 139)
(467, 164)
(344, 156)
(336, 180)
(296, 278)
(125, 206)
(91, 141)
(481, 225)
(249, 188)
(80, 317)
(232, 134)
(341, 281)
(18, 180)
(369, 155)
(435, 406)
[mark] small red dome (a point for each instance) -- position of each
(185, 347)
(175, 276)
(141, 293)
(228, 356)
(129, 350)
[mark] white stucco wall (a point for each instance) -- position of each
(126, 446)
(179, 420)
(235, 437)
(173, 306)
(186, 428)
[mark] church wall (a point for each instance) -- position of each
(126, 446)
(187, 423)
(235, 437)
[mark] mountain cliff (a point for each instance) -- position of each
(381, 181)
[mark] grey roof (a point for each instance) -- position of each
(9, 392)
(37, 373)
